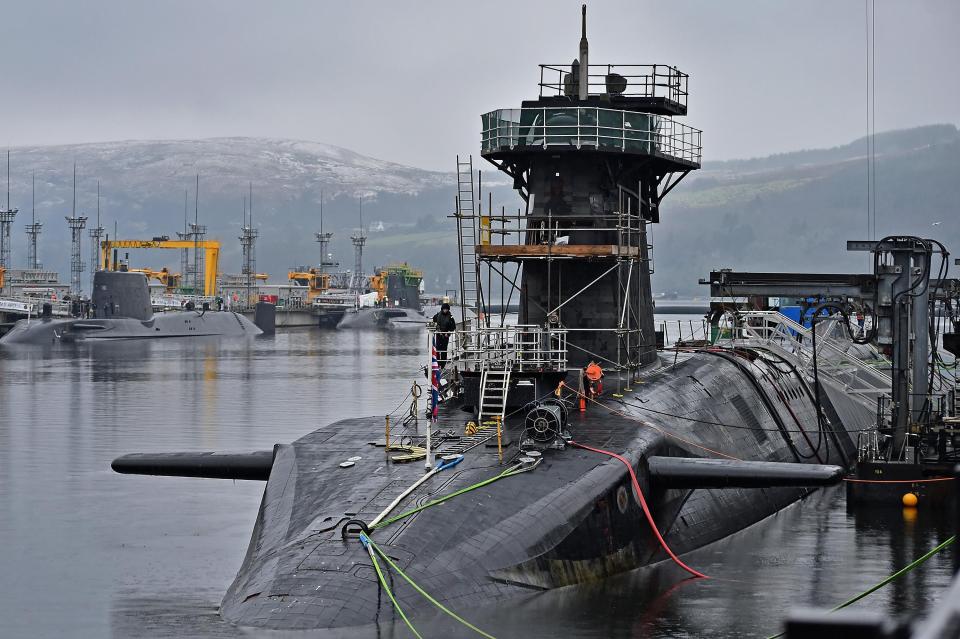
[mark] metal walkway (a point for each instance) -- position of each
(834, 357)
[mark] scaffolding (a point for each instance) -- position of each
(507, 243)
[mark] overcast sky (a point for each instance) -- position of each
(407, 81)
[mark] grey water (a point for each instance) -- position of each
(85, 552)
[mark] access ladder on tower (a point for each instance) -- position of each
(466, 229)
(494, 384)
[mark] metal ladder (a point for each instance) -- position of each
(494, 383)
(466, 229)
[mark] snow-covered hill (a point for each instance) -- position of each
(143, 185)
(156, 169)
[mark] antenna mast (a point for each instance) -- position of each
(184, 236)
(197, 232)
(76, 224)
(358, 240)
(33, 229)
(584, 55)
(95, 235)
(324, 240)
(6, 222)
(248, 240)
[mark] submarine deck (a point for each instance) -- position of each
(567, 521)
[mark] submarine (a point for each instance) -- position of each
(398, 307)
(122, 310)
(565, 448)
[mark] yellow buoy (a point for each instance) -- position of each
(910, 500)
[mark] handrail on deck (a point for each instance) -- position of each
(519, 347)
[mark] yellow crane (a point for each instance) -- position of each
(316, 281)
(211, 253)
(170, 281)
(378, 282)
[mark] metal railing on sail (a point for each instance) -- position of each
(590, 127)
(661, 81)
(523, 348)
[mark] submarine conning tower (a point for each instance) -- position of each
(121, 294)
(593, 158)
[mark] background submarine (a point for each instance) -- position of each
(122, 310)
(678, 448)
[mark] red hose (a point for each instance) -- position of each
(643, 505)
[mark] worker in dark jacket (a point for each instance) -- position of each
(445, 325)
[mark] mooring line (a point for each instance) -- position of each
(373, 548)
(914, 564)
(383, 584)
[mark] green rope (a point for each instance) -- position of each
(383, 584)
(899, 573)
(426, 595)
(386, 522)
(371, 547)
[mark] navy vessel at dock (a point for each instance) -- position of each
(397, 304)
(120, 308)
(565, 448)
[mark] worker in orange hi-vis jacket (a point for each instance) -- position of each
(594, 375)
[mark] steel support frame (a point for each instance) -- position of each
(626, 326)
(901, 303)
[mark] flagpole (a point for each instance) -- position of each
(428, 463)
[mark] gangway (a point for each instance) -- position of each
(774, 331)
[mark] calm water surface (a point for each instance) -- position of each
(85, 552)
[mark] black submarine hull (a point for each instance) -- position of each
(573, 519)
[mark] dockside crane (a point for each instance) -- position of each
(211, 249)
